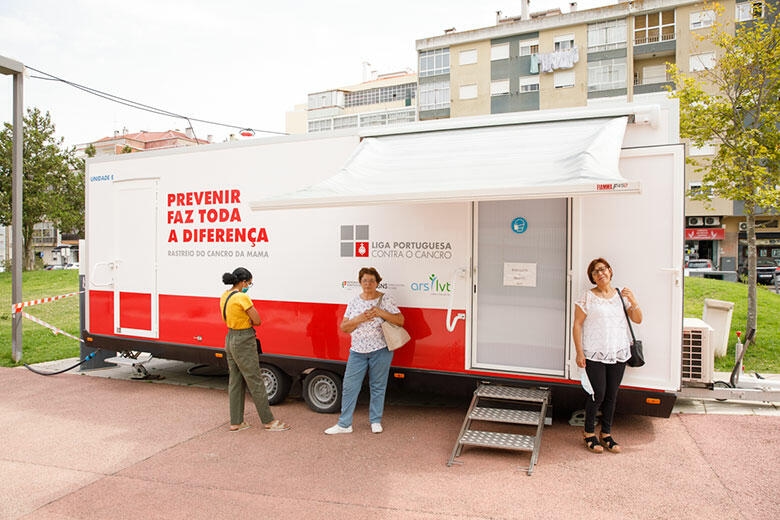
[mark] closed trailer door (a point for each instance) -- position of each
(135, 268)
(520, 291)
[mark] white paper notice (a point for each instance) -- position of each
(519, 275)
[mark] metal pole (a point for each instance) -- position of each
(16, 220)
(8, 66)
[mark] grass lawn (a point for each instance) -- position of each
(40, 344)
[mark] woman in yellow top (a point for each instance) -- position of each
(241, 317)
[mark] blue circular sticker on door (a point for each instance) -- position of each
(519, 225)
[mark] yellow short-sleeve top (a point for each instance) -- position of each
(235, 314)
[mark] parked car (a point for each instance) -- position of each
(697, 265)
(765, 270)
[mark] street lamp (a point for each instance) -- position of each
(13, 68)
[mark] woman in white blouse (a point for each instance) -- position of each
(602, 340)
(369, 353)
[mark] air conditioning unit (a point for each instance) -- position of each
(711, 221)
(695, 221)
(743, 226)
(698, 359)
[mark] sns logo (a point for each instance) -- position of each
(433, 285)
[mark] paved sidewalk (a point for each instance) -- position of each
(100, 446)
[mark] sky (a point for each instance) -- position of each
(236, 62)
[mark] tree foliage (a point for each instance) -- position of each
(736, 106)
(53, 180)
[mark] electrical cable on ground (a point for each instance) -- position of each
(41, 373)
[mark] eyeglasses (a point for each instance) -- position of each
(250, 284)
(600, 270)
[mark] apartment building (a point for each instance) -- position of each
(551, 59)
(379, 100)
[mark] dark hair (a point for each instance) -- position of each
(592, 265)
(239, 275)
(369, 270)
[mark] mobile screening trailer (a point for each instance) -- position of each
(482, 229)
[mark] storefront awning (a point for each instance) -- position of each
(532, 160)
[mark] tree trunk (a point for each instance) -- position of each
(752, 308)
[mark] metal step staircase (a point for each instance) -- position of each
(508, 405)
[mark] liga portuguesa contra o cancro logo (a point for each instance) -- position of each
(354, 241)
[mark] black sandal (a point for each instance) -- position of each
(592, 443)
(609, 443)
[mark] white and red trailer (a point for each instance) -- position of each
(482, 229)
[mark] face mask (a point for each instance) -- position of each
(245, 289)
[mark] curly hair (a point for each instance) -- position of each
(369, 270)
(241, 274)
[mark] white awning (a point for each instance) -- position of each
(533, 160)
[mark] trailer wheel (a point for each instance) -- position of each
(277, 383)
(322, 391)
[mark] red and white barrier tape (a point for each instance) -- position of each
(17, 307)
(54, 329)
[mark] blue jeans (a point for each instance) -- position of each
(377, 364)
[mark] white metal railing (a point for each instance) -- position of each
(654, 39)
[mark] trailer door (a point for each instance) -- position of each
(135, 267)
(520, 295)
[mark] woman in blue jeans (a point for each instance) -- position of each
(363, 321)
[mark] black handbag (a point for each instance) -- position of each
(637, 358)
(224, 317)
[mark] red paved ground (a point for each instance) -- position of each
(79, 447)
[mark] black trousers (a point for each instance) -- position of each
(605, 379)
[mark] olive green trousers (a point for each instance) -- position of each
(244, 366)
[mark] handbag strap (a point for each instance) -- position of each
(224, 307)
(623, 304)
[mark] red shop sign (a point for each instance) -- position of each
(705, 233)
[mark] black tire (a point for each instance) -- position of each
(721, 384)
(322, 391)
(277, 383)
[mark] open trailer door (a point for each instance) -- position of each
(642, 238)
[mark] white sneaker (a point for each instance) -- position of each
(376, 427)
(333, 430)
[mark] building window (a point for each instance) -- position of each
(707, 149)
(607, 74)
(342, 122)
(607, 35)
(529, 84)
(702, 19)
(468, 57)
(499, 52)
(499, 87)
(333, 98)
(703, 61)
(564, 42)
(434, 95)
(698, 188)
(320, 125)
(372, 96)
(529, 47)
(563, 79)
(468, 91)
(654, 27)
(433, 63)
(749, 10)
(652, 74)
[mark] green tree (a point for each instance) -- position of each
(735, 104)
(53, 180)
